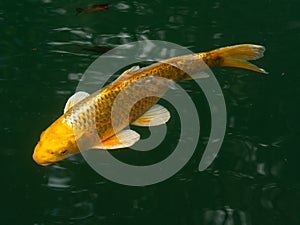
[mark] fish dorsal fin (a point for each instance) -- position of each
(127, 73)
(130, 71)
(155, 116)
(74, 99)
(123, 139)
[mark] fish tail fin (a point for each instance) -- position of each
(236, 56)
(79, 10)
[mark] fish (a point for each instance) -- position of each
(88, 115)
(94, 8)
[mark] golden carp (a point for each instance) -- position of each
(88, 115)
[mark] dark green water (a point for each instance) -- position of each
(255, 178)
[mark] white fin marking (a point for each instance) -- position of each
(74, 99)
(123, 139)
(155, 116)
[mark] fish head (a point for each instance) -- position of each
(56, 143)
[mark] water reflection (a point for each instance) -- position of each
(58, 177)
(65, 202)
(248, 156)
(214, 197)
(122, 6)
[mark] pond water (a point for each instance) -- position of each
(253, 181)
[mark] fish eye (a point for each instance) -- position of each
(63, 152)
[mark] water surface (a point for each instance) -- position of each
(255, 178)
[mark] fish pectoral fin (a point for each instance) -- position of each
(155, 116)
(123, 139)
(74, 99)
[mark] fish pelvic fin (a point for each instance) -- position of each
(236, 56)
(123, 139)
(155, 116)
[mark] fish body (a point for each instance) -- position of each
(88, 116)
(94, 8)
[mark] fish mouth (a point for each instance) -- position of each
(38, 161)
(44, 164)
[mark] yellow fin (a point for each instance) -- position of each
(155, 116)
(74, 99)
(237, 56)
(123, 139)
